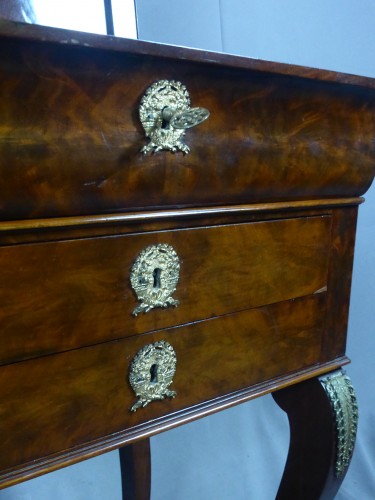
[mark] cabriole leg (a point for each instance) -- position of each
(323, 416)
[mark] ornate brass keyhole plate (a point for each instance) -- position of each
(151, 373)
(165, 114)
(154, 277)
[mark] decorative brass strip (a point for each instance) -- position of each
(151, 373)
(341, 394)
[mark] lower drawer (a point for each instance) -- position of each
(56, 402)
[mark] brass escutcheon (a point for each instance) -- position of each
(154, 277)
(165, 114)
(151, 373)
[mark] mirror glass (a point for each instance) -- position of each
(71, 14)
(93, 16)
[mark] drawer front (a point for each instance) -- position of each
(67, 294)
(54, 403)
(72, 137)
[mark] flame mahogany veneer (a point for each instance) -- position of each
(262, 214)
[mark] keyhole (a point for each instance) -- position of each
(156, 275)
(166, 114)
(154, 374)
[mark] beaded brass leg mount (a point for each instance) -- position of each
(343, 400)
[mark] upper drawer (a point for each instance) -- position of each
(71, 137)
(62, 295)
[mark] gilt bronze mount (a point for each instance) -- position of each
(154, 277)
(151, 373)
(341, 394)
(165, 114)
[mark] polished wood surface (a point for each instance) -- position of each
(135, 463)
(71, 138)
(84, 395)
(84, 294)
(140, 48)
(262, 214)
(339, 281)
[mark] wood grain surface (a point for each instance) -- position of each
(261, 213)
(82, 395)
(70, 135)
(72, 293)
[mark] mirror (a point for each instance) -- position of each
(93, 16)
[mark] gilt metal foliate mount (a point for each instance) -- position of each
(154, 276)
(165, 114)
(341, 394)
(151, 373)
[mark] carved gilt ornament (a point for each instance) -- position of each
(343, 400)
(151, 373)
(165, 114)
(154, 277)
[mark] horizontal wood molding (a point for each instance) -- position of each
(160, 215)
(109, 443)
(66, 37)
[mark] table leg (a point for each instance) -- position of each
(135, 463)
(323, 417)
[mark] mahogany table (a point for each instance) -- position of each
(177, 232)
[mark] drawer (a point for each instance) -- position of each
(62, 295)
(71, 136)
(60, 401)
